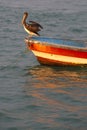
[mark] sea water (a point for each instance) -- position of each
(32, 96)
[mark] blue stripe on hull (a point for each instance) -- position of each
(60, 41)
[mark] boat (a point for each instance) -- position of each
(52, 51)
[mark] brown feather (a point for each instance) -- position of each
(37, 24)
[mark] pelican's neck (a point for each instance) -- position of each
(24, 19)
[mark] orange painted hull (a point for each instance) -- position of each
(56, 53)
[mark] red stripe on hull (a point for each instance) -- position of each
(79, 53)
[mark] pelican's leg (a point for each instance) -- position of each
(29, 37)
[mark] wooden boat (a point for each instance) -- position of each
(51, 51)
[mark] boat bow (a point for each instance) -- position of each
(53, 51)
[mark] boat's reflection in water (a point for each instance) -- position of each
(55, 77)
(58, 93)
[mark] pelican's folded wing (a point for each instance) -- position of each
(33, 28)
(33, 22)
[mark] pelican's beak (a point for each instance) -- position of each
(21, 22)
(23, 19)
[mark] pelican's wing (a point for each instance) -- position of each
(33, 27)
(33, 22)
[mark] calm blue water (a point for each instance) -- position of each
(35, 97)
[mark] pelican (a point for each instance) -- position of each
(32, 28)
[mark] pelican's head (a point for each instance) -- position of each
(25, 15)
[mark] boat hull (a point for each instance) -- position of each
(56, 54)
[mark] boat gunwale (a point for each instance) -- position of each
(31, 41)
